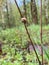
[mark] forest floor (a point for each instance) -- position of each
(16, 39)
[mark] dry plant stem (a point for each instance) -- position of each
(18, 8)
(41, 31)
(32, 44)
(28, 33)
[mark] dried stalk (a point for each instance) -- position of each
(28, 33)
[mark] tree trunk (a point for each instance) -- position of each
(2, 16)
(45, 11)
(34, 12)
(25, 13)
(8, 16)
(48, 11)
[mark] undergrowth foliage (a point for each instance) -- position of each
(17, 36)
(15, 39)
